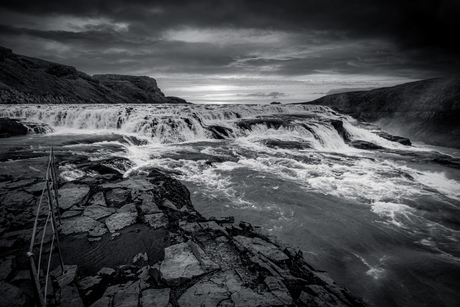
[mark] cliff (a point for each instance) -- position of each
(30, 80)
(426, 110)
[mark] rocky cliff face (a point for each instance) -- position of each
(427, 110)
(29, 80)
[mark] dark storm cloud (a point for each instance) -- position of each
(416, 34)
(413, 23)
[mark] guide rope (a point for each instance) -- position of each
(50, 188)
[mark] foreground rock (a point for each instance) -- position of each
(139, 241)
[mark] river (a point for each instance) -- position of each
(385, 223)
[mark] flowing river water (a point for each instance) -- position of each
(385, 223)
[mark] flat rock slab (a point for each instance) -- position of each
(211, 290)
(181, 264)
(124, 217)
(72, 194)
(257, 245)
(156, 297)
(248, 297)
(81, 224)
(13, 296)
(98, 199)
(16, 198)
(97, 212)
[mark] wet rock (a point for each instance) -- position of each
(72, 194)
(128, 296)
(17, 200)
(360, 144)
(257, 245)
(98, 199)
(156, 220)
(156, 297)
(69, 275)
(180, 264)
(124, 217)
(13, 296)
(248, 297)
(6, 267)
(20, 277)
(140, 258)
(106, 271)
(204, 294)
(278, 289)
(219, 132)
(104, 301)
(117, 197)
(20, 183)
(35, 189)
(394, 138)
(287, 144)
(70, 297)
(168, 204)
(213, 228)
(148, 205)
(82, 224)
(138, 183)
(12, 126)
(89, 282)
(97, 212)
(70, 213)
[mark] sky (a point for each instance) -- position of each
(243, 51)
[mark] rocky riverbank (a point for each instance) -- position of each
(138, 241)
(426, 110)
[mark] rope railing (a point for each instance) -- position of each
(50, 189)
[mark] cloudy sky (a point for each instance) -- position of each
(236, 51)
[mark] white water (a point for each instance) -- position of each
(385, 223)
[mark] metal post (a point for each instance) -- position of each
(53, 224)
(40, 299)
(55, 185)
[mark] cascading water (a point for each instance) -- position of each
(385, 223)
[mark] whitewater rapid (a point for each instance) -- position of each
(385, 223)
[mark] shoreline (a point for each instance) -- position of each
(140, 240)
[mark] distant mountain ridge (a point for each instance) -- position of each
(427, 110)
(29, 80)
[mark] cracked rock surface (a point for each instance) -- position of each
(138, 241)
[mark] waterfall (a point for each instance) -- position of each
(309, 125)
